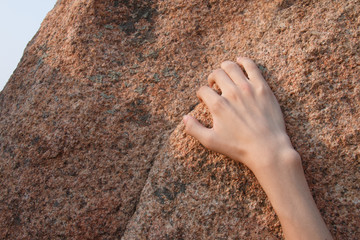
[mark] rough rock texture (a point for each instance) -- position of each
(90, 140)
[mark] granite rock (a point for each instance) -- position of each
(91, 140)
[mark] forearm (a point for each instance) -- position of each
(248, 127)
(285, 185)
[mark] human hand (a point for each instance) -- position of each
(248, 125)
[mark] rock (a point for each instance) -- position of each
(91, 139)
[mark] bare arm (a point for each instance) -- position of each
(248, 127)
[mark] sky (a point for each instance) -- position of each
(19, 21)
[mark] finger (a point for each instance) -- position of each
(220, 77)
(234, 71)
(212, 100)
(198, 131)
(252, 70)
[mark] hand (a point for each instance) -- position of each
(248, 125)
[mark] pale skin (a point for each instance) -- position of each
(248, 126)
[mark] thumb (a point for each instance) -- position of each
(198, 131)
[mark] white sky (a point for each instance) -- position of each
(19, 21)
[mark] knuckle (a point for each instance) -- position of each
(208, 141)
(200, 90)
(250, 64)
(229, 65)
(233, 94)
(198, 93)
(245, 88)
(247, 60)
(216, 72)
(263, 90)
(219, 104)
(188, 127)
(212, 76)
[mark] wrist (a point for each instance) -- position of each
(281, 156)
(285, 159)
(285, 185)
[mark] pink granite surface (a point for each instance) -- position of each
(91, 139)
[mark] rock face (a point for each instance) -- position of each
(91, 144)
